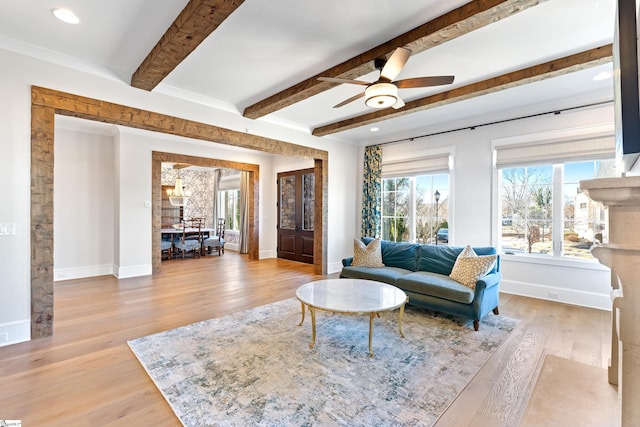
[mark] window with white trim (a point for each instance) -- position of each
(410, 212)
(542, 210)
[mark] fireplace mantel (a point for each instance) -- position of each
(621, 252)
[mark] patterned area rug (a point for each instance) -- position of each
(255, 367)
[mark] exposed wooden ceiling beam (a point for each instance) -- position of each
(469, 17)
(557, 67)
(198, 19)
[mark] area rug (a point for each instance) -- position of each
(255, 368)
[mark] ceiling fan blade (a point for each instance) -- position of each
(348, 81)
(347, 101)
(395, 63)
(424, 82)
(399, 104)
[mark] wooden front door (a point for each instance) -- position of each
(296, 215)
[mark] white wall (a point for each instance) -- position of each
(15, 116)
(17, 76)
(345, 176)
(116, 203)
(84, 195)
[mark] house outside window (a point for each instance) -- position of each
(543, 210)
(409, 210)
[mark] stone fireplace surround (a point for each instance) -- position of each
(621, 253)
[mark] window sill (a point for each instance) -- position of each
(584, 264)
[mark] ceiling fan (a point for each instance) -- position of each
(383, 92)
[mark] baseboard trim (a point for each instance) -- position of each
(268, 254)
(15, 332)
(551, 293)
(133, 271)
(80, 272)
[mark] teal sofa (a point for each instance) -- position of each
(422, 272)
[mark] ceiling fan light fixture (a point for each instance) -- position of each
(381, 95)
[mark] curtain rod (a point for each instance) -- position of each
(472, 127)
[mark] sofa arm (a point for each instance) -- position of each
(346, 262)
(488, 281)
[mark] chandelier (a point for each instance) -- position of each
(177, 196)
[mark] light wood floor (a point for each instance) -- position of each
(85, 375)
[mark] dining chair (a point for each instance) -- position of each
(166, 246)
(191, 240)
(216, 242)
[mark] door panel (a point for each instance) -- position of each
(296, 191)
(287, 246)
(306, 251)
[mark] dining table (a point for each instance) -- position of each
(173, 233)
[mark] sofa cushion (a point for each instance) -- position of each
(441, 258)
(367, 256)
(385, 274)
(470, 267)
(398, 254)
(437, 258)
(437, 285)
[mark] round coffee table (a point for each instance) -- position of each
(350, 296)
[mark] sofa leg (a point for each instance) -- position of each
(476, 325)
(496, 311)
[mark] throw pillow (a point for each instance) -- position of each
(467, 252)
(367, 256)
(470, 267)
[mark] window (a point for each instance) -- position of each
(230, 207)
(585, 225)
(543, 210)
(526, 209)
(395, 209)
(409, 209)
(540, 207)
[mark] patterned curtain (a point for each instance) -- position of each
(372, 191)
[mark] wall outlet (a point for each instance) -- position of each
(7, 229)
(554, 295)
(4, 337)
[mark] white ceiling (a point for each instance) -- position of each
(267, 46)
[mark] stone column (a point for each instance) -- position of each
(621, 253)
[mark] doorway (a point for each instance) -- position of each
(296, 200)
(46, 103)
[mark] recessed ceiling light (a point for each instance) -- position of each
(374, 129)
(602, 76)
(66, 15)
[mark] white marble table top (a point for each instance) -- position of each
(351, 295)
